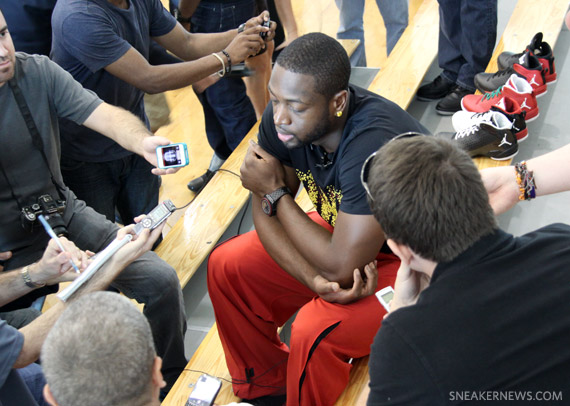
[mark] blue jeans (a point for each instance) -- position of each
(394, 13)
(34, 379)
(228, 112)
(126, 184)
(467, 34)
(149, 280)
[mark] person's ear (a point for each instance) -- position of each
(157, 378)
(48, 396)
(401, 251)
(338, 103)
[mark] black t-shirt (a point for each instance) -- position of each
(333, 183)
(493, 325)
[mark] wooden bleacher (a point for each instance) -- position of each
(207, 218)
(209, 357)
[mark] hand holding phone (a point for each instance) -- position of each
(205, 391)
(385, 296)
(172, 155)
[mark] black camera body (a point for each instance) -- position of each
(51, 209)
(267, 24)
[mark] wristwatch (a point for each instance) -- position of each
(269, 201)
(179, 17)
(28, 280)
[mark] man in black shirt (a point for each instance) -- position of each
(477, 315)
(317, 130)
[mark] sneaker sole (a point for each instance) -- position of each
(504, 158)
(527, 119)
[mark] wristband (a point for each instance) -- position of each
(222, 72)
(25, 272)
(229, 67)
(179, 17)
(525, 181)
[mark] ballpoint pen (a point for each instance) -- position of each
(51, 233)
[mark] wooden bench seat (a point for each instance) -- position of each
(398, 81)
(209, 357)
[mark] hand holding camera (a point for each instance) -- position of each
(251, 38)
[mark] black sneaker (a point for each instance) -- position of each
(527, 66)
(434, 90)
(452, 102)
(492, 138)
(196, 185)
(278, 400)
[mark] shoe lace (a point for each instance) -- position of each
(492, 95)
(466, 132)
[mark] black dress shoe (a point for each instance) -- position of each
(434, 90)
(452, 102)
(196, 185)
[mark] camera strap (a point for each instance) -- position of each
(33, 130)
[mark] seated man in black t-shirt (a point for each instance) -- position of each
(477, 314)
(317, 130)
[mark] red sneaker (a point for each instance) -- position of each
(538, 48)
(516, 88)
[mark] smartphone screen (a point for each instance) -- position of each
(172, 156)
(388, 296)
(205, 391)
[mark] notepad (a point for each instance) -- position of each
(100, 259)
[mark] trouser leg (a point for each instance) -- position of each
(395, 16)
(351, 26)
(252, 296)
(326, 335)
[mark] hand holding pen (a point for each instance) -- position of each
(81, 255)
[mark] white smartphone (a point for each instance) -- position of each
(205, 391)
(385, 296)
(172, 155)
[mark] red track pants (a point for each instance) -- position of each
(252, 296)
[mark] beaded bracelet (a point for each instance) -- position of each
(229, 67)
(525, 180)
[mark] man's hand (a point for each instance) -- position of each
(502, 187)
(140, 243)
(55, 267)
(150, 144)
(259, 20)
(409, 284)
(332, 292)
(3, 257)
(261, 173)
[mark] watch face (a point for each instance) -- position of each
(266, 206)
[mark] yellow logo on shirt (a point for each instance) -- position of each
(326, 201)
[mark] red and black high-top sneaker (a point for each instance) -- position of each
(516, 88)
(538, 48)
(527, 67)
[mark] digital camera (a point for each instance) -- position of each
(51, 209)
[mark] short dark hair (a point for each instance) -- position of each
(320, 56)
(428, 195)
